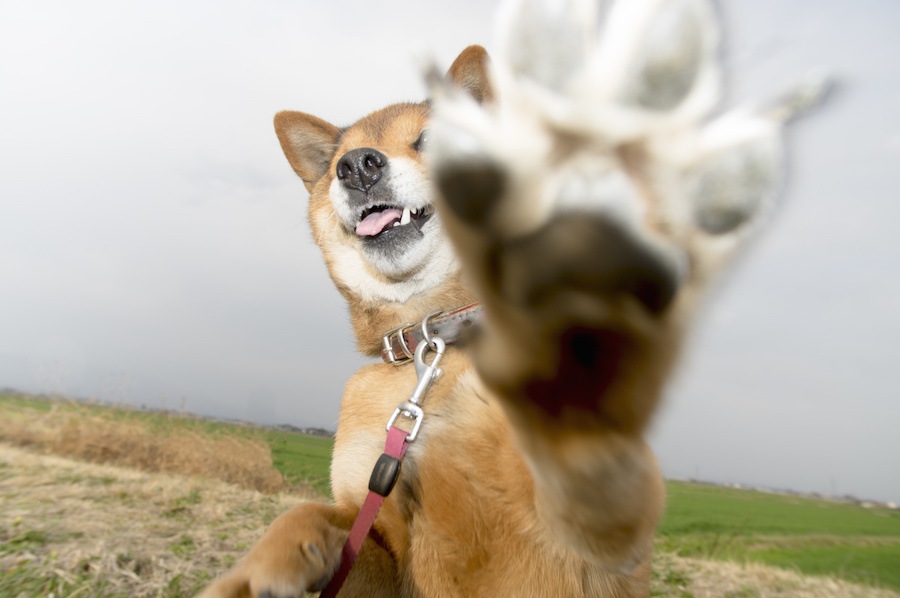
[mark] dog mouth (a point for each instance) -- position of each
(379, 220)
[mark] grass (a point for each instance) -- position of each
(154, 535)
(25, 580)
(815, 537)
(137, 535)
(701, 509)
(301, 458)
(164, 441)
(703, 523)
(872, 565)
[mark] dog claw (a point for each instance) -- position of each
(547, 42)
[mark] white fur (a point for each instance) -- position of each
(545, 41)
(463, 132)
(594, 90)
(351, 485)
(641, 33)
(351, 268)
(376, 277)
(598, 185)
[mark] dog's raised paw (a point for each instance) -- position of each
(470, 186)
(602, 109)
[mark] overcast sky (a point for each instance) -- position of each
(154, 246)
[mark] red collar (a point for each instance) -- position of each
(399, 345)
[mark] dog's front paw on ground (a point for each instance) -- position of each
(299, 553)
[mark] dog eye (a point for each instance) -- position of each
(422, 142)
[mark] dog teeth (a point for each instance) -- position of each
(406, 216)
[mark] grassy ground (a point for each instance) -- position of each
(812, 536)
(302, 459)
(161, 441)
(70, 528)
(713, 541)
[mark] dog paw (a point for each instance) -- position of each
(602, 114)
(299, 553)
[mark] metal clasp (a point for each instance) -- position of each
(427, 373)
(409, 411)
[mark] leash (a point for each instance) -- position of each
(387, 468)
(384, 476)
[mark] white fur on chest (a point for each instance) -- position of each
(350, 270)
(352, 464)
(358, 448)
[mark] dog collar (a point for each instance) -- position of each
(399, 345)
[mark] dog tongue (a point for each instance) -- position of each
(376, 222)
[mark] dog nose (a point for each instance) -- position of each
(361, 168)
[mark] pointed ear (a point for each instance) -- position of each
(308, 142)
(470, 72)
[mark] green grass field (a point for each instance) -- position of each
(814, 537)
(301, 458)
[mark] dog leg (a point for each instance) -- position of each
(299, 553)
(589, 204)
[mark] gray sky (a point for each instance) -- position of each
(154, 247)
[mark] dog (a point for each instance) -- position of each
(576, 191)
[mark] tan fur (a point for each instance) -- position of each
(466, 517)
(530, 476)
(391, 130)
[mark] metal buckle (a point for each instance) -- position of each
(427, 373)
(387, 347)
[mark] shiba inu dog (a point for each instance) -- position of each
(577, 192)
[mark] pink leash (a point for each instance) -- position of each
(384, 475)
(387, 468)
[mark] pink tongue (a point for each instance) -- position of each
(376, 222)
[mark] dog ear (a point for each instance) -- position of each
(470, 72)
(308, 143)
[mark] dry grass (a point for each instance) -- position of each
(693, 578)
(243, 461)
(69, 528)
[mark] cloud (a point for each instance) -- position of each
(154, 245)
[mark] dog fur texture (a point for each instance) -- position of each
(579, 190)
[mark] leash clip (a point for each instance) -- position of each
(427, 374)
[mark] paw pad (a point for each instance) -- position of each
(604, 109)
